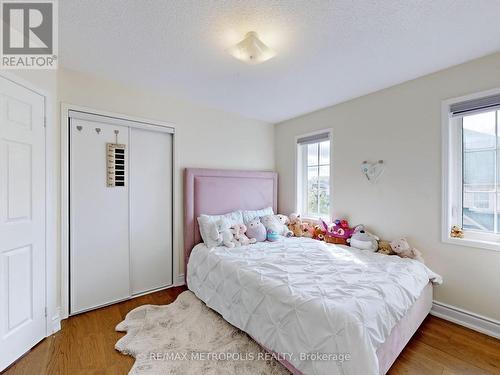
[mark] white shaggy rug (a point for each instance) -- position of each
(186, 337)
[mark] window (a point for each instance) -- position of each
(480, 172)
(472, 170)
(313, 175)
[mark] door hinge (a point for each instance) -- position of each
(45, 121)
(45, 311)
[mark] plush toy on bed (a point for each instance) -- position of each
(338, 233)
(308, 230)
(285, 220)
(384, 247)
(318, 233)
(402, 248)
(238, 231)
(221, 233)
(363, 240)
(256, 230)
(275, 223)
(296, 225)
(273, 236)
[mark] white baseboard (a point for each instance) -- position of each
(488, 326)
(180, 280)
(59, 316)
(56, 321)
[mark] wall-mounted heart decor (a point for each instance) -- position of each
(372, 171)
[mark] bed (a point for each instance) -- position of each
(311, 303)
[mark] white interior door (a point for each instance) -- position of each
(99, 219)
(150, 210)
(22, 221)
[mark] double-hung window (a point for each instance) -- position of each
(313, 175)
(472, 169)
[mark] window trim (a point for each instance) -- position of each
(299, 171)
(452, 178)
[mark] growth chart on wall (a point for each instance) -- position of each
(115, 164)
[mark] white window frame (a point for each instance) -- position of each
(301, 170)
(452, 178)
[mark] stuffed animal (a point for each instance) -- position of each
(296, 225)
(274, 223)
(456, 232)
(238, 231)
(338, 233)
(308, 230)
(221, 233)
(402, 248)
(256, 230)
(273, 236)
(341, 229)
(318, 233)
(363, 240)
(384, 247)
(283, 219)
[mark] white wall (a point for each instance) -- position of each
(402, 125)
(205, 138)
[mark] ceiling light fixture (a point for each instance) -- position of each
(251, 50)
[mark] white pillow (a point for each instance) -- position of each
(205, 221)
(249, 215)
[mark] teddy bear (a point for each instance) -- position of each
(221, 233)
(283, 219)
(363, 240)
(296, 225)
(402, 248)
(238, 231)
(256, 230)
(275, 224)
(456, 232)
(384, 247)
(307, 230)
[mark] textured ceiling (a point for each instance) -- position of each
(328, 51)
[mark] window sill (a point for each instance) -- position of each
(314, 220)
(470, 242)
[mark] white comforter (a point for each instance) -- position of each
(302, 296)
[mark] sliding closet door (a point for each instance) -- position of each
(99, 215)
(150, 209)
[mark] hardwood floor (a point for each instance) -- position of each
(86, 342)
(85, 345)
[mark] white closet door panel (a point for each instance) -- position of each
(150, 180)
(99, 241)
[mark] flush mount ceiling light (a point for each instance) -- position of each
(251, 50)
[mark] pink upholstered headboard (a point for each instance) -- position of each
(219, 191)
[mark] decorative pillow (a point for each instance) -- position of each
(205, 225)
(249, 215)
